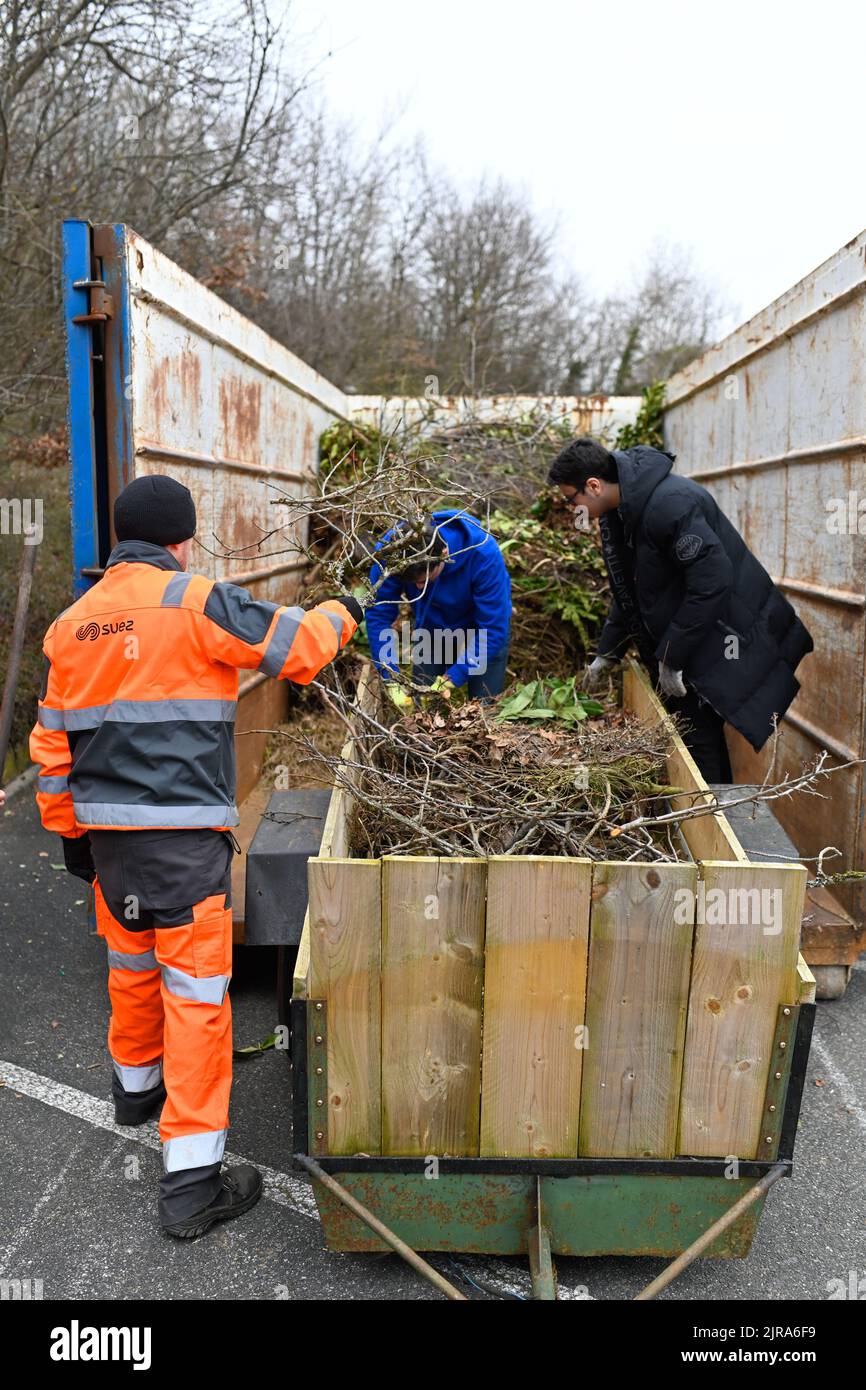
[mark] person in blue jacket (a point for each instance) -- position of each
(460, 595)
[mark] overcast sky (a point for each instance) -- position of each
(736, 129)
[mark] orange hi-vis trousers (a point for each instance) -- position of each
(171, 1017)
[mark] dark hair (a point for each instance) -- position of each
(581, 459)
(431, 544)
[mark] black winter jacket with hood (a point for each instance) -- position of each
(705, 605)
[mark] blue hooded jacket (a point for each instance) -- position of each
(473, 593)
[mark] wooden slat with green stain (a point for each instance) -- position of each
(745, 966)
(641, 930)
(432, 969)
(345, 916)
(708, 837)
(534, 1001)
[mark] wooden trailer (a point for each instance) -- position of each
(550, 1055)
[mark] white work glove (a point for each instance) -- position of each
(594, 675)
(671, 681)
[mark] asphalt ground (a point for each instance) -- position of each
(78, 1196)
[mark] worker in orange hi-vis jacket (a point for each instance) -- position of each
(135, 748)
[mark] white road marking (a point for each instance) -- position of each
(282, 1188)
(27, 1226)
(849, 1095)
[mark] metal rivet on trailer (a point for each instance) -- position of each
(772, 1108)
(319, 1008)
(319, 1038)
(319, 1071)
(782, 1046)
(778, 1076)
(320, 1101)
(786, 1012)
(320, 1134)
(768, 1139)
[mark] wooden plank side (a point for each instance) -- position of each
(806, 982)
(745, 966)
(345, 914)
(334, 844)
(641, 930)
(301, 972)
(335, 832)
(534, 1001)
(708, 837)
(432, 967)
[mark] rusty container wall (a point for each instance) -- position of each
(772, 420)
(596, 415)
(196, 390)
(206, 395)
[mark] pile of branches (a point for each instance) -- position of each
(459, 782)
(368, 485)
(494, 470)
(557, 574)
(506, 459)
(558, 589)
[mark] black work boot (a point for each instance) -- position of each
(241, 1189)
(135, 1107)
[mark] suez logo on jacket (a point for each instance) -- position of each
(94, 630)
(77, 1343)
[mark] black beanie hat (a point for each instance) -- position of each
(155, 508)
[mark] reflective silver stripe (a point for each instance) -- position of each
(194, 1150)
(148, 712)
(139, 1078)
(175, 590)
(53, 785)
(280, 644)
(336, 623)
(209, 989)
(174, 817)
(50, 718)
(127, 960)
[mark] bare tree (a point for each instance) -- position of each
(495, 316)
(644, 334)
(147, 111)
(189, 122)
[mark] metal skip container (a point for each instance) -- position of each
(772, 420)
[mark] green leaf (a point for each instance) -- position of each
(256, 1049)
(573, 713)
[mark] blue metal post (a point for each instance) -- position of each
(79, 371)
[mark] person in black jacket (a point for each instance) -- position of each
(716, 633)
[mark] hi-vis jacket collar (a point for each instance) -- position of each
(142, 553)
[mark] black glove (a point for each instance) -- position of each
(348, 601)
(78, 858)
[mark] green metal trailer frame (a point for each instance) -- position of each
(547, 1207)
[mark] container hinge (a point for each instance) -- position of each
(317, 1075)
(773, 1112)
(101, 304)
